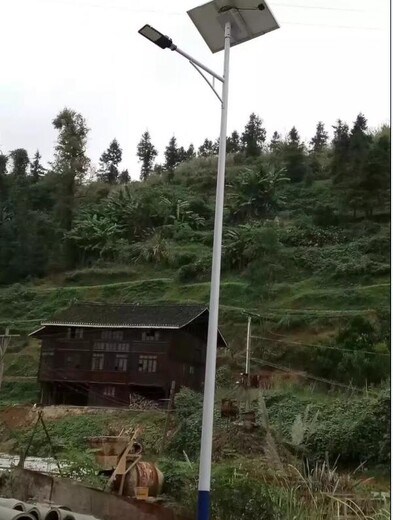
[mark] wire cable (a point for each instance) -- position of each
(320, 346)
(310, 376)
(176, 13)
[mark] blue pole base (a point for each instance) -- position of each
(203, 505)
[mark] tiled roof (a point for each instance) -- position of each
(127, 315)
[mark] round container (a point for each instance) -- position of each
(142, 475)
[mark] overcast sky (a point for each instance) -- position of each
(329, 59)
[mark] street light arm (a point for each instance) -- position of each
(197, 63)
(207, 81)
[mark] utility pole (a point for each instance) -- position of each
(5, 340)
(248, 380)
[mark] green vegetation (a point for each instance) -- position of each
(306, 249)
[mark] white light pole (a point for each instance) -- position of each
(222, 24)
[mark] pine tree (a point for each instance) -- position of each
(181, 154)
(350, 163)
(254, 136)
(3, 179)
(233, 142)
(206, 148)
(358, 160)
(124, 177)
(3, 164)
(340, 147)
(109, 163)
(318, 145)
(275, 142)
(319, 141)
(190, 153)
(375, 183)
(294, 157)
(171, 155)
(294, 137)
(36, 168)
(146, 153)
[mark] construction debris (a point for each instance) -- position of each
(137, 402)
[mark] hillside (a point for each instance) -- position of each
(304, 283)
(306, 254)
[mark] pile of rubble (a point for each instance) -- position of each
(11, 509)
(137, 402)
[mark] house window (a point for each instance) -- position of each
(97, 362)
(73, 333)
(72, 361)
(192, 370)
(112, 334)
(109, 391)
(121, 363)
(147, 364)
(106, 334)
(150, 335)
(112, 347)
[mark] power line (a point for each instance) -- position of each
(331, 26)
(309, 376)
(324, 8)
(176, 13)
(319, 346)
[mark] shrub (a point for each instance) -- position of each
(311, 236)
(325, 216)
(194, 271)
(187, 403)
(235, 496)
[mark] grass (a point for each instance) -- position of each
(12, 392)
(71, 432)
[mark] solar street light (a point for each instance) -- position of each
(222, 24)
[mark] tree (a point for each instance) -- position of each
(319, 141)
(376, 181)
(95, 234)
(206, 148)
(190, 153)
(158, 169)
(3, 179)
(146, 153)
(340, 146)
(182, 154)
(36, 168)
(21, 161)
(275, 142)
(256, 193)
(124, 177)
(358, 161)
(3, 164)
(70, 165)
(294, 157)
(318, 148)
(351, 165)
(233, 142)
(109, 163)
(254, 136)
(171, 155)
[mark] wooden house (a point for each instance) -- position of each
(98, 354)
